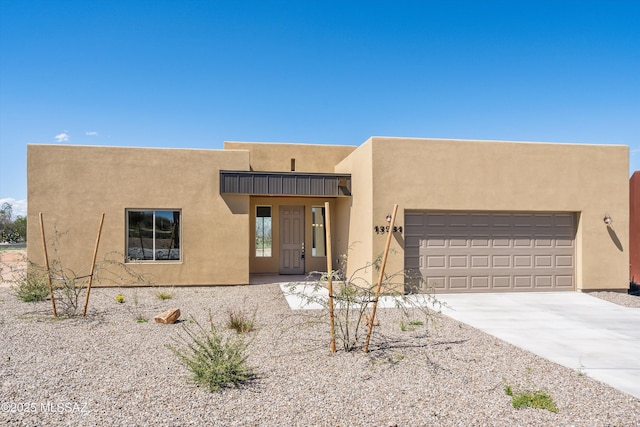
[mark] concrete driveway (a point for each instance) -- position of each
(581, 332)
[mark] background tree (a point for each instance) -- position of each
(6, 214)
(20, 227)
(10, 230)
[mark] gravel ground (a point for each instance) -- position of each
(108, 369)
(622, 299)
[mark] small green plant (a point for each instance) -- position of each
(119, 298)
(142, 319)
(581, 369)
(214, 360)
(31, 286)
(240, 321)
(538, 399)
(410, 325)
(163, 295)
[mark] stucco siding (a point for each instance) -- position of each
(276, 157)
(73, 185)
(589, 180)
(355, 221)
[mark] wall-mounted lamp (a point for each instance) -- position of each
(388, 218)
(607, 220)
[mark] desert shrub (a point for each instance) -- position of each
(30, 286)
(240, 321)
(214, 360)
(354, 297)
(69, 294)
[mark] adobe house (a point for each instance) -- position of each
(474, 216)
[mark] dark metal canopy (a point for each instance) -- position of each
(285, 183)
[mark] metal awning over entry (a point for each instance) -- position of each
(285, 184)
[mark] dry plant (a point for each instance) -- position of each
(353, 297)
(215, 360)
(70, 286)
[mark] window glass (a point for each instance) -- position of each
(140, 242)
(153, 235)
(263, 231)
(318, 233)
(167, 238)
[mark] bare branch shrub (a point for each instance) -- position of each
(354, 296)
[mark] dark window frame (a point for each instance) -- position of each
(154, 237)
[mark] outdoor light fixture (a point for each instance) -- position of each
(388, 218)
(607, 219)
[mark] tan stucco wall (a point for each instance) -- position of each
(271, 264)
(73, 185)
(276, 157)
(590, 180)
(355, 238)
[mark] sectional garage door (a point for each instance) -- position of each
(491, 251)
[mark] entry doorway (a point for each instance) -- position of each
(291, 239)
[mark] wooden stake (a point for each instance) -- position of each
(327, 220)
(380, 277)
(93, 267)
(46, 264)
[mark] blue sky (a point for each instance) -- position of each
(196, 73)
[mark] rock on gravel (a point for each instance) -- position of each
(108, 369)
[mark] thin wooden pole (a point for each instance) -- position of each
(93, 266)
(46, 264)
(380, 277)
(330, 275)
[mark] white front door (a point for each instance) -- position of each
(291, 239)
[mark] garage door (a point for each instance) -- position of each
(491, 251)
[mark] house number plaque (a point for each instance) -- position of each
(382, 229)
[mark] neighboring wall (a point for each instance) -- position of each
(276, 157)
(73, 185)
(591, 180)
(634, 227)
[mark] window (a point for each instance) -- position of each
(153, 235)
(263, 231)
(318, 234)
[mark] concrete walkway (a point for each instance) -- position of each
(581, 332)
(595, 337)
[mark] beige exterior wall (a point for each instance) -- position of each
(355, 225)
(590, 180)
(274, 157)
(73, 185)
